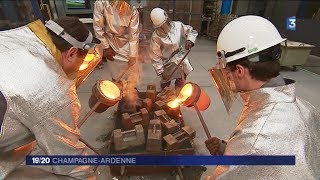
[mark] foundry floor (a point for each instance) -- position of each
(219, 122)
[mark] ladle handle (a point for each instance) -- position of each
(202, 121)
(82, 121)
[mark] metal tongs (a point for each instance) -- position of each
(178, 66)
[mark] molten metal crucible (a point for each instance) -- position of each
(106, 93)
(184, 94)
(191, 95)
(196, 96)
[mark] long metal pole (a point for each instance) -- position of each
(92, 148)
(89, 146)
(82, 121)
(190, 11)
(178, 65)
(202, 121)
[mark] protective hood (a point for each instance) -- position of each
(91, 61)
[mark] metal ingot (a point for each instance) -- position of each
(169, 125)
(125, 139)
(176, 140)
(154, 140)
(130, 120)
(160, 105)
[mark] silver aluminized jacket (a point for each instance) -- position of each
(162, 49)
(41, 104)
(275, 122)
(121, 32)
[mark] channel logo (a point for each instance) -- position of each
(291, 23)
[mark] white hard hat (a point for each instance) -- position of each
(158, 17)
(245, 36)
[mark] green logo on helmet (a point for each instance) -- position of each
(252, 50)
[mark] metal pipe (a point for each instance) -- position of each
(180, 173)
(190, 11)
(89, 146)
(93, 149)
(178, 65)
(202, 121)
(82, 121)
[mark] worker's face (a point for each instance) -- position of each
(164, 30)
(72, 60)
(238, 79)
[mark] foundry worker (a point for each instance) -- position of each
(39, 107)
(166, 46)
(274, 121)
(116, 24)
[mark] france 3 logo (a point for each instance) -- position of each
(291, 23)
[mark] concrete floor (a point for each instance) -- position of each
(219, 122)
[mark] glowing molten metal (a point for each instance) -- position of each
(110, 90)
(190, 95)
(185, 93)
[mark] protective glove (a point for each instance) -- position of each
(164, 76)
(109, 53)
(215, 146)
(188, 45)
(132, 61)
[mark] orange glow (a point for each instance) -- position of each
(185, 96)
(185, 93)
(109, 89)
(174, 103)
(89, 57)
(83, 66)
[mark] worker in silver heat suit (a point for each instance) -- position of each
(39, 107)
(165, 46)
(116, 24)
(274, 121)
